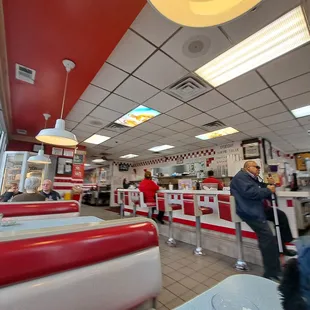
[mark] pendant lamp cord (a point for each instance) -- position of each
(64, 97)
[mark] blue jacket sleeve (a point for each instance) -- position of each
(250, 191)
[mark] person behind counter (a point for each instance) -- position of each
(149, 189)
(126, 184)
(47, 191)
(31, 186)
(11, 193)
(212, 179)
(249, 194)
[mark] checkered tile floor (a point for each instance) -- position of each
(184, 275)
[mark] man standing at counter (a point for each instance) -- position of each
(249, 194)
(212, 179)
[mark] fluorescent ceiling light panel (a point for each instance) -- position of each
(97, 139)
(217, 133)
(98, 160)
(137, 116)
(278, 38)
(161, 148)
(129, 156)
(300, 112)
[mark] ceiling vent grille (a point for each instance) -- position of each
(25, 74)
(188, 88)
(214, 125)
(116, 127)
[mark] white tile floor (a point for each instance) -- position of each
(184, 275)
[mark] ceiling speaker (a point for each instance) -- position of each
(196, 46)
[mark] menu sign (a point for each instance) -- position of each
(78, 159)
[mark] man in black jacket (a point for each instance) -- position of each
(13, 191)
(47, 191)
(249, 194)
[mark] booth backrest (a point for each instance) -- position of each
(90, 269)
(40, 209)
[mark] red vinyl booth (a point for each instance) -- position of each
(40, 209)
(90, 268)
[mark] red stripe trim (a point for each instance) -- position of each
(62, 187)
(37, 257)
(225, 230)
(57, 180)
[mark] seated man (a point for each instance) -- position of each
(12, 192)
(149, 189)
(212, 179)
(31, 186)
(249, 194)
(47, 191)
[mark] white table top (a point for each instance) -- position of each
(48, 223)
(290, 194)
(260, 291)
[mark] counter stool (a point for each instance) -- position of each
(165, 203)
(135, 199)
(122, 200)
(227, 212)
(192, 207)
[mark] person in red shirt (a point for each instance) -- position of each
(212, 179)
(149, 189)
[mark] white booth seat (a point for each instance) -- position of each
(91, 267)
(32, 210)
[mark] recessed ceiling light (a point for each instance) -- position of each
(278, 38)
(97, 139)
(129, 156)
(137, 116)
(300, 112)
(217, 133)
(161, 148)
(98, 160)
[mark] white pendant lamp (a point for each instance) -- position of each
(59, 135)
(40, 158)
(202, 13)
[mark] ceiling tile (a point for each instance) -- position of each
(194, 47)
(162, 102)
(257, 100)
(163, 120)
(136, 90)
(237, 119)
(75, 116)
(180, 126)
(86, 128)
(125, 137)
(298, 101)
(304, 120)
(130, 52)
(298, 137)
(113, 142)
(183, 112)
(165, 132)
(105, 114)
(220, 140)
(257, 131)
(107, 133)
(288, 131)
(118, 103)
(271, 136)
(249, 125)
(95, 122)
(239, 136)
(270, 109)
(153, 26)
(265, 13)
(195, 132)
(83, 107)
(178, 136)
(208, 101)
(149, 127)
(284, 125)
(136, 132)
(94, 94)
(70, 125)
(152, 137)
(200, 120)
(242, 86)
(160, 70)
(278, 118)
(293, 87)
(286, 67)
(109, 77)
(226, 110)
(81, 135)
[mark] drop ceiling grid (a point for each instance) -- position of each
(230, 99)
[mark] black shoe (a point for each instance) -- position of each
(290, 253)
(161, 222)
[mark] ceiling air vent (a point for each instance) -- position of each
(117, 127)
(214, 125)
(188, 88)
(21, 131)
(25, 74)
